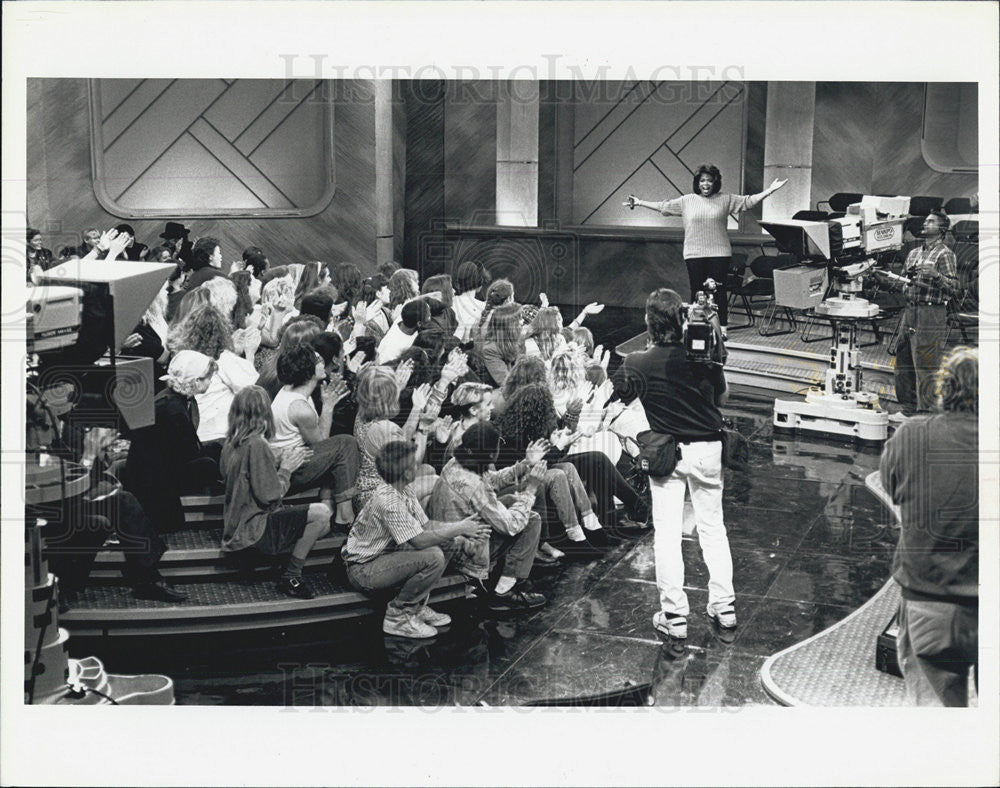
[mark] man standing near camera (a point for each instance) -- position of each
(682, 398)
(933, 274)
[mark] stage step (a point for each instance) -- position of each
(195, 555)
(230, 605)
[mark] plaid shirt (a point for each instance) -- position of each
(389, 519)
(926, 289)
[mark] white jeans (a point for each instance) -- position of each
(699, 470)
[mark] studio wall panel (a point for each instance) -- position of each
(62, 201)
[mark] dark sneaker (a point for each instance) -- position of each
(296, 587)
(517, 600)
(601, 538)
(577, 551)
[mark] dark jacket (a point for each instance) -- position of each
(930, 470)
(159, 465)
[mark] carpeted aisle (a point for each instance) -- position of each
(837, 666)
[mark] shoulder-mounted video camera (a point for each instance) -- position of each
(701, 335)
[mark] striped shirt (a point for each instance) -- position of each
(390, 519)
(925, 289)
(705, 220)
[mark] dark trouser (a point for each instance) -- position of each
(717, 268)
(161, 499)
(333, 465)
(937, 644)
(603, 479)
(73, 544)
(918, 356)
(416, 570)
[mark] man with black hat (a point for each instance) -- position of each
(175, 235)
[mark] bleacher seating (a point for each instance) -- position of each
(224, 593)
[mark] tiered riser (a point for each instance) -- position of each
(225, 605)
(222, 595)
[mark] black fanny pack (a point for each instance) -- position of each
(658, 453)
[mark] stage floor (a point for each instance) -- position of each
(810, 544)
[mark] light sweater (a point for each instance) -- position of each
(705, 220)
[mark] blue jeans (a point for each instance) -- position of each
(417, 570)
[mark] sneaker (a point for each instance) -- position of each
(578, 551)
(602, 539)
(430, 616)
(517, 600)
(671, 626)
(725, 616)
(407, 626)
(630, 529)
(296, 587)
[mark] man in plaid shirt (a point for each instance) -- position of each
(933, 275)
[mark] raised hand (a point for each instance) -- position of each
(338, 309)
(630, 202)
(360, 312)
(776, 184)
(334, 391)
(117, 244)
(403, 372)
(421, 395)
(561, 438)
(537, 450)
(593, 308)
(106, 238)
(442, 429)
(456, 366)
(355, 362)
(543, 300)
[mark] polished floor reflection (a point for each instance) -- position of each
(809, 542)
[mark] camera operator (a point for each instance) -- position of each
(932, 269)
(681, 397)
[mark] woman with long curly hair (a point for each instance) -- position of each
(531, 415)
(502, 341)
(208, 332)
